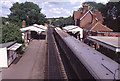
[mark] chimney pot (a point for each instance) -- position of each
(85, 7)
(23, 23)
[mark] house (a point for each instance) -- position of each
(8, 53)
(85, 17)
(90, 21)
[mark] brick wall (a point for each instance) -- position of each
(86, 20)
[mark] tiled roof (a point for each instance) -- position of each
(89, 26)
(99, 16)
(97, 27)
(77, 14)
(83, 14)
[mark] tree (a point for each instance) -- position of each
(69, 21)
(27, 11)
(111, 13)
(95, 5)
(62, 21)
(11, 32)
(4, 20)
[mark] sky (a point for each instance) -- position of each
(51, 8)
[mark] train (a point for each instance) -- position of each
(87, 62)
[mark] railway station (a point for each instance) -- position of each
(85, 49)
(59, 56)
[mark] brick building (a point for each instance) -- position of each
(90, 21)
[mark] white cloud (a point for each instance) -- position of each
(73, 2)
(46, 4)
(101, 1)
(0, 12)
(57, 12)
(77, 7)
(6, 4)
(43, 11)
(48, 8)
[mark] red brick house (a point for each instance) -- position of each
(90, 21)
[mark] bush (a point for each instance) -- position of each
(11, 32)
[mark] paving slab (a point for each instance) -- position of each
(32, 59)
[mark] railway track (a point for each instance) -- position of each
(53, 66)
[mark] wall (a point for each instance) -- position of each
(3, 57)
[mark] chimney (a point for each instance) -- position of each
(85, 7)
(23, 23)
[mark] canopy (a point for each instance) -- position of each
(15, 46)
(32, 28)
(58, 28)
(108, 42)
(74, 29)
(70, 27)
(40, 26)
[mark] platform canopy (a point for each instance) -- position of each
(74, 29)
(112, 43)
(15, 46)
(40, 26)
(58, 28)
(32, 28)
(3, 45)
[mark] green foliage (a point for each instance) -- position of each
(4, 20)
(95, 5)
(11, 32)
(27, 11)
(62, 21)
(111, 13)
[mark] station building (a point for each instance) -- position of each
(91, 23)
(8, 53)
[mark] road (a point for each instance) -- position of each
(31, 65)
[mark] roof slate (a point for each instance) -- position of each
(79, 15)
(97, 27)
(6, 44)
(100, 27)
